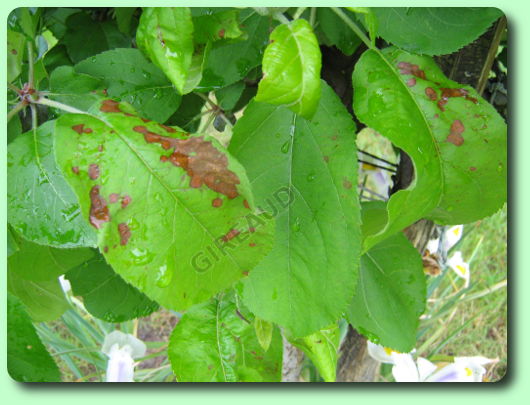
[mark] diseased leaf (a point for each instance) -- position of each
(212, 26)
(230, 60)
(336, 31)
(304, 174)
(129, 76)
(165, 34)
(27, 358)
(459, 143)
(433, 30)
(322, 348)
(106, 295)
(15, 52)
(291, 69)
(390, 294)
(41, 205)
(85, 37)
(174, 212)
(212, 343)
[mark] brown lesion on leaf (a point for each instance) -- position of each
(93, 171)
(245, 204)
(99, 211)
(217, 202)
(80, 129)
(448, 93)
(75, 169)
(406, 68)
(113, 106)
(114, 197)
(203, 163)
(346, 183)
(231, 234)
(411, 82)
(431, 93)
(473, 168)
(455, 136)
(125, 233)
(125, 201)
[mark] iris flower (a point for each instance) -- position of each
(122, 349)
(459, 266)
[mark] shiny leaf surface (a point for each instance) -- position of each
(291, 69)
(304, 174)
(174, 212)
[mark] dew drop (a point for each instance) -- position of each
(164, 276)
(286, 146)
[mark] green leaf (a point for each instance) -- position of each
(41, 205)
(215, 26)
(188, 114)
(322, 348)
(459, 147)
(306, 282)
(55, 19)
(390, 294)
(15, 52)
(230, 60)
(124, 18)
(212, 343)
(12, 244)
(74, 89)
(40, 263)
(174, 211)
(165, 34)
(264, 331)
(129, 76)
(338, 33)
(198, 62)
(227, 97)
(86, 37)
(27, 358)
(291, 69)
(106, 295)
(369, 20)
(14, 128)
(434, 30)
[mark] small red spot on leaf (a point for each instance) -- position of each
(411, 82)
(110, 106)
(231, 234)
(245, 203)
(221, 33)
(125, 201)
(167, 129)
(455, 136)
(99, 211)
(100, 148)
(80, 129)
(106, 249)
(217, 202)
(252, 244)
(472, 168)
(346, 183)
(326, 159)
(245, 273)
(75, 169)
(406, 68)
(449, 93)
(431, 93)
(252, 229)
(125, 233)
(93, 171)
(14, 51)
(114, 197)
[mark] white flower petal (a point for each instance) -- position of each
(404, 369)
(425, 368)
(459, 266)
(120, 367)
(137, 347)
(452, 236)
(65, 284)
(380, 353)
(449, 373)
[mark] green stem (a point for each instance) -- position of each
(31, 79)
(299, 12)
(20, 106)
(281, 18)
(353, 27)
(216, 109)
(13, 88)
(60, 106)
(313, 17)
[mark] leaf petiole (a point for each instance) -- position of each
(353, 27)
